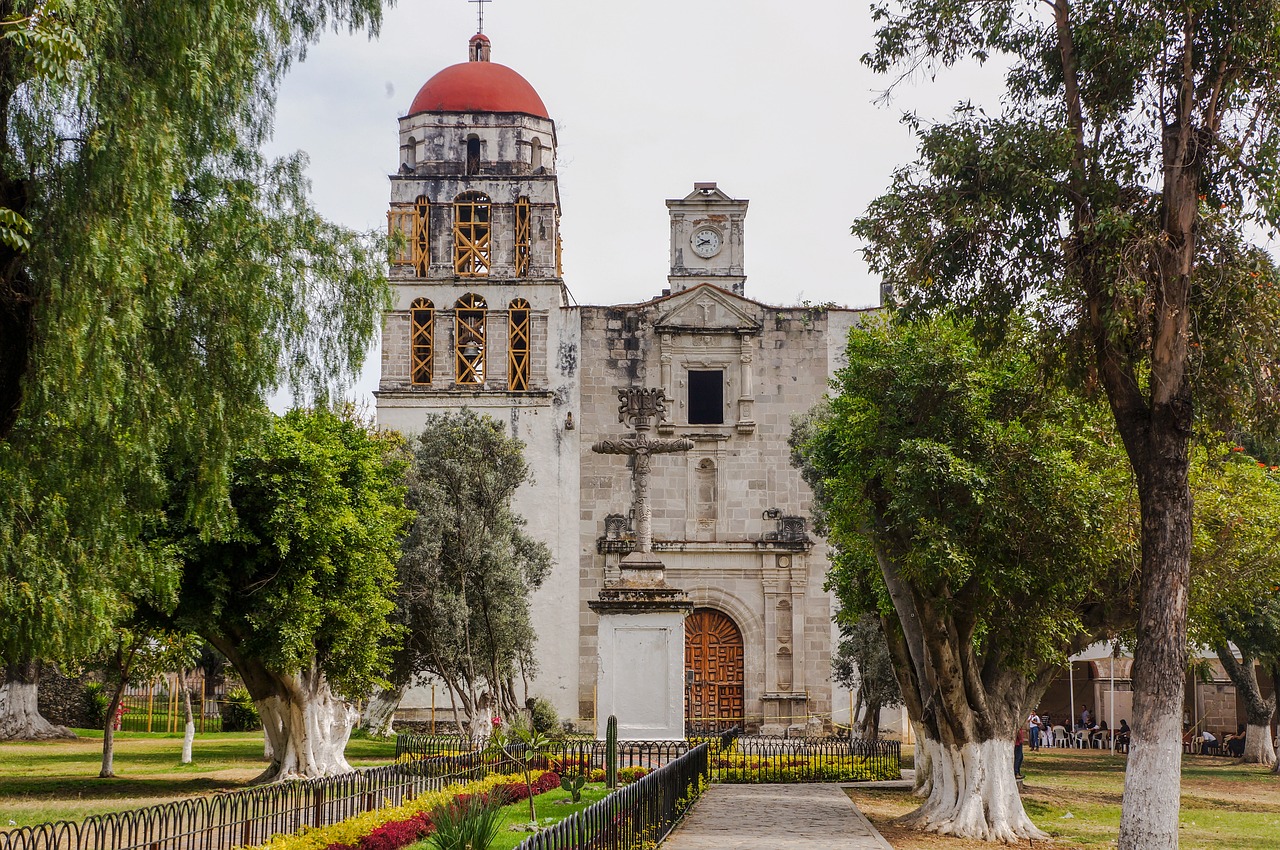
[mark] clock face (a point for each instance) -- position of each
(706, 242)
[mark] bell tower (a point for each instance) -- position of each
(475, 219)
(706, 240)
(481, 318)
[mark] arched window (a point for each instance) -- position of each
(473, 155)
(471, 234)
(522, 236)
(535, 153)
(468, 332)
(518, 345)
(421, 241)
(421, 340)
(411, 153)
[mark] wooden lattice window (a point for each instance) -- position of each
(471, 217)
(522, 236)
(518, 345)
(420, 243)
(421, 340)
(400, 231)
(468, 331)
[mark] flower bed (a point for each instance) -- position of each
(735, 767)
(394, 827)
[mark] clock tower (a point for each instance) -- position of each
(706, 240)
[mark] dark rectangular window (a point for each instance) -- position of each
(706, 397)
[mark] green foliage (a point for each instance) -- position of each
(159, 279)
(239, 714)
(466, 825)
(525, 748)
(544, 718)
(307, 575)
(862, 660)
(468, 567)
(96, 703)
(574, 785)
(1003, 502)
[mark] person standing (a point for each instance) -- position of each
(1018, 740)
(1033, 727)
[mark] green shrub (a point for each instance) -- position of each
(239, 714)
(467, 824)
(96, 703)
(544, 717)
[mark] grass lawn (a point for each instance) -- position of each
(1225, 806)
(553, 807)
(58, 780)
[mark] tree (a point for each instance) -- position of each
(1136, 143)
(1235, 572)
(298, 594)
(468, 567)
(158, 280)
(981, 515)
(862, 661)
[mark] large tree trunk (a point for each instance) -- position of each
(1149, 809)
(965, 712)
(380, 711)
(971, 792)
(305, 724)
(20, 718)
(1258, 748)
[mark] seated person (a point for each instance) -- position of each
(1122, 735)
(1235, 743)
(1209, 743)
(1098, 735)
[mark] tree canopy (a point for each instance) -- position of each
(1114, 195)
(298, 594)
(167, 280)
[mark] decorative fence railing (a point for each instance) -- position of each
(732, 758)
(643, 811)
(248, 817)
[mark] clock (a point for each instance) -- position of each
(706, 242)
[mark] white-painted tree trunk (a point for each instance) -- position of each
(1258, 747)
(381, 710)
(924, 766)
(189, 730)
(20, 718)
(306, 727)
(1147, 808)
(972, 793)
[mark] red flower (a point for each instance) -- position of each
(1237, 448)
(497, 721)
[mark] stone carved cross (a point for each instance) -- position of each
(642, 409)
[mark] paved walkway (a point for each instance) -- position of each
(788, 817)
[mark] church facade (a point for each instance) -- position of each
(482, 319)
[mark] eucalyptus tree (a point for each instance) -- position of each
(1114, 192)
(158, 280)
(467, 567)
(983, 517)
(298, 593)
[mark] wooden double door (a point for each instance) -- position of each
(713, 672)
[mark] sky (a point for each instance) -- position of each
(767, 99)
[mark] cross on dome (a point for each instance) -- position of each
(480, 11)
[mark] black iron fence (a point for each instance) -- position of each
(642, 812)
(732, 758)
(250, 816)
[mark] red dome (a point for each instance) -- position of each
(478, 87)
